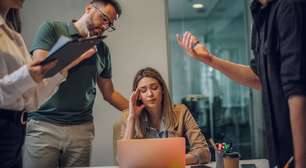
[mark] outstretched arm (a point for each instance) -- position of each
(242, 74)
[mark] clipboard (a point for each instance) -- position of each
(66, 50)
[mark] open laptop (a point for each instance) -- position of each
(151, 153)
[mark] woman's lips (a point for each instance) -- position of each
(151, 101)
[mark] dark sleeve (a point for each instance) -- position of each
(253, 65)
(292, 35)
(104, 61)
(44, 38)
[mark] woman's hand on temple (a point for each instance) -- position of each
(134, 108)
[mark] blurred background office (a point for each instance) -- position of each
(145, 36)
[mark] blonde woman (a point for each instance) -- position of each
(151, 114)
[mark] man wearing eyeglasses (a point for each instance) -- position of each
(60, 133)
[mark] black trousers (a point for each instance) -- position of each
(12, 134)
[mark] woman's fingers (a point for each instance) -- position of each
(134, 96)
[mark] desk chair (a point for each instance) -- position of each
(116, 135)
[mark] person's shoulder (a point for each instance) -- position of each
(290, 8)
(292, 1)
(56, 24)
(47, 35)
(182, 113)
(288, 3)
(180, 108)
(52, 27)
(50, 23)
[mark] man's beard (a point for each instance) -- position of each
(93, 31)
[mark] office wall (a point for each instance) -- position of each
(139, 42)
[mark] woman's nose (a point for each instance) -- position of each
(150, 93)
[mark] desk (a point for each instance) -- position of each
(260, 163)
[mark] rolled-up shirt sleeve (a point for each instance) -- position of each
(292, 31)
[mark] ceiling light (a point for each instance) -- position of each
(198, 6)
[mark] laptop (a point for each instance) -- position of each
(151, 153)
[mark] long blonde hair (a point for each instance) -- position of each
(169, 114)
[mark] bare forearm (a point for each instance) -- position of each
(240, 73)
(297, 106)
(237, 72)
(118, 101)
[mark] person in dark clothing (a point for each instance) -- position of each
(278, 70)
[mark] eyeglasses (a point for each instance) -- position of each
(110, 25)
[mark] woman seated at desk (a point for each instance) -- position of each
(151, 114)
